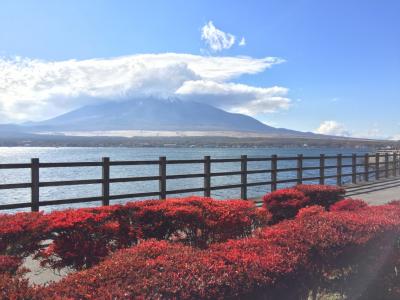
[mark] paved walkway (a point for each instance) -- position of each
(376, 192)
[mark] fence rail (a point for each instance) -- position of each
(361, 166)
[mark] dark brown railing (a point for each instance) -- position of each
(370, 164)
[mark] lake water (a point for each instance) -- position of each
(24, 154)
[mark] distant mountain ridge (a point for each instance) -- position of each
(156, 115)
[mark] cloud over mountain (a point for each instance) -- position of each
(37, 89)
(236, 97)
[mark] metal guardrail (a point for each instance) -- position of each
(375, 164)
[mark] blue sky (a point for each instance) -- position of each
(341, 64)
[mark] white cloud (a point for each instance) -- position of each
(235, 97)
(332, 128)
(242, 42)
(37, 89)
(215, 38)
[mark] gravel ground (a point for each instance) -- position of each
(39, 275)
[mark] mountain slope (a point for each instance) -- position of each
(157, 115)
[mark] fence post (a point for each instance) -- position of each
(35, 184)
(387, 165)
(274, 173)
(366, 167)
(207, 176)
(299, 168)
(339, 170)
(322, 169)
(105, 201)
(354, 168)
(394, 172)
(377, 166)
(163, 179)
(397, 164)
(243, 177)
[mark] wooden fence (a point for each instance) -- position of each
(361, 166)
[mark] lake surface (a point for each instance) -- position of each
(24, 154)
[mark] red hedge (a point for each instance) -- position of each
(195, 220)
(21, 233)
(341, 251)
(285, 203)
(395, 202)
(348, 204)
(352, 252)
(324, 195)
(16, 288)
(9, 264)
(310, 211)
(12, 283)
(160, 270)
(80, 238)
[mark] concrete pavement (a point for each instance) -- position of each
(376, 192)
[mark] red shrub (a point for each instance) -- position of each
(324, 195)
(21, 233)
(196, 221)
(355, 253)
(16, 288)
(310, 211)
(285, 203)
(160, 270)
(346, 250)
(325, 250)
(348, 205)
(82, 237)
(12, 284)
(9, 264)
(395, 202)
